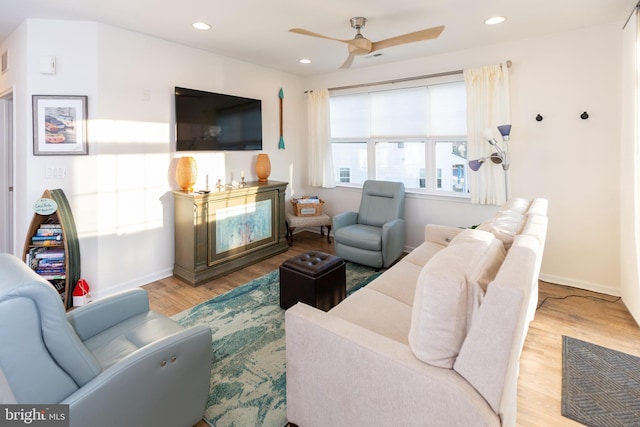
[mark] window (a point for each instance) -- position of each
(416, 135)
(345, 175)
(351, 157)
(400, 161)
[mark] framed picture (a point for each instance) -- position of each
(59, 125)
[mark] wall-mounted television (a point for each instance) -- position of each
(215, 121)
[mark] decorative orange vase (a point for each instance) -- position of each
(263, 167)
(186, 173)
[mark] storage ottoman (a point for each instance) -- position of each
(314, 278)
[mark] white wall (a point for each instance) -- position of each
(120, 193)
(136, 164)
(572, 162)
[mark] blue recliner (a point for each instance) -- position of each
(113, 361)
(374, 235)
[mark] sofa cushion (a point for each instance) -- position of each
(488, 265)
(116, 343)
(538, 207)
(6, 394)
(32, 375)
(536, 226)
(448, 292)
(376, 312)
(398, 282)
(360, 236)
(489, 356)
(505, 224)
(516, 204)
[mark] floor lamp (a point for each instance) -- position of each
(499, 157)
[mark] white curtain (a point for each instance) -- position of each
(629, 164)
(320, 155)
(487, 108)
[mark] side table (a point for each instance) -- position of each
(293, 221)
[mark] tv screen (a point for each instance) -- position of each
(214, 121)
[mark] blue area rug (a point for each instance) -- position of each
(248, 367)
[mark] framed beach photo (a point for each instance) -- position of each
(59, 125)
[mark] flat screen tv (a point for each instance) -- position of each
(214, 121)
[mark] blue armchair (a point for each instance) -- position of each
(113, 361)
(374, 235)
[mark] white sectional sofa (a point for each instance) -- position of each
(434, 341)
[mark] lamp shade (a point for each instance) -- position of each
(505, 131)
(497, 158)
(475, 164)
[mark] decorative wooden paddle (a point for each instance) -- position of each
(281, 143)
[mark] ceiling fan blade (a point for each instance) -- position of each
(428, 34)
(312, 34)
(348, 62)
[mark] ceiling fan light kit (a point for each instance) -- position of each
(360, 45)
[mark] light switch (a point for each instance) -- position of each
(55, 172)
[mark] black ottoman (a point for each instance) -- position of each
(314, 278)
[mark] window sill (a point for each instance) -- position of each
(412, 194)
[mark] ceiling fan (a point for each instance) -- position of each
(360, 45)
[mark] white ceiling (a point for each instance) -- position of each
(257, 30)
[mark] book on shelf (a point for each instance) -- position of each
(50, 253)
(48, 243)
(49, 232)
(50, 225)
(51, 237)
(51, 277)
(49, 270)
(50, 262)
(58, 284)
(45, 263)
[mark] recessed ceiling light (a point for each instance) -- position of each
(305, 61)
(201, 26)
(495, 20)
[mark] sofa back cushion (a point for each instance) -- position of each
(6, 394)
(505, 225)
(60, 341)
(516, 204)
(449, 291)
(489, 356)
(538, 207)
(31, 373)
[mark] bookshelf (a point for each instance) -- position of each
(51, 246)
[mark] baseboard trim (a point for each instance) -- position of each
(580, 284)
(549, 278)
(133, 283)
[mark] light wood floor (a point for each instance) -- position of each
(597, 318)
